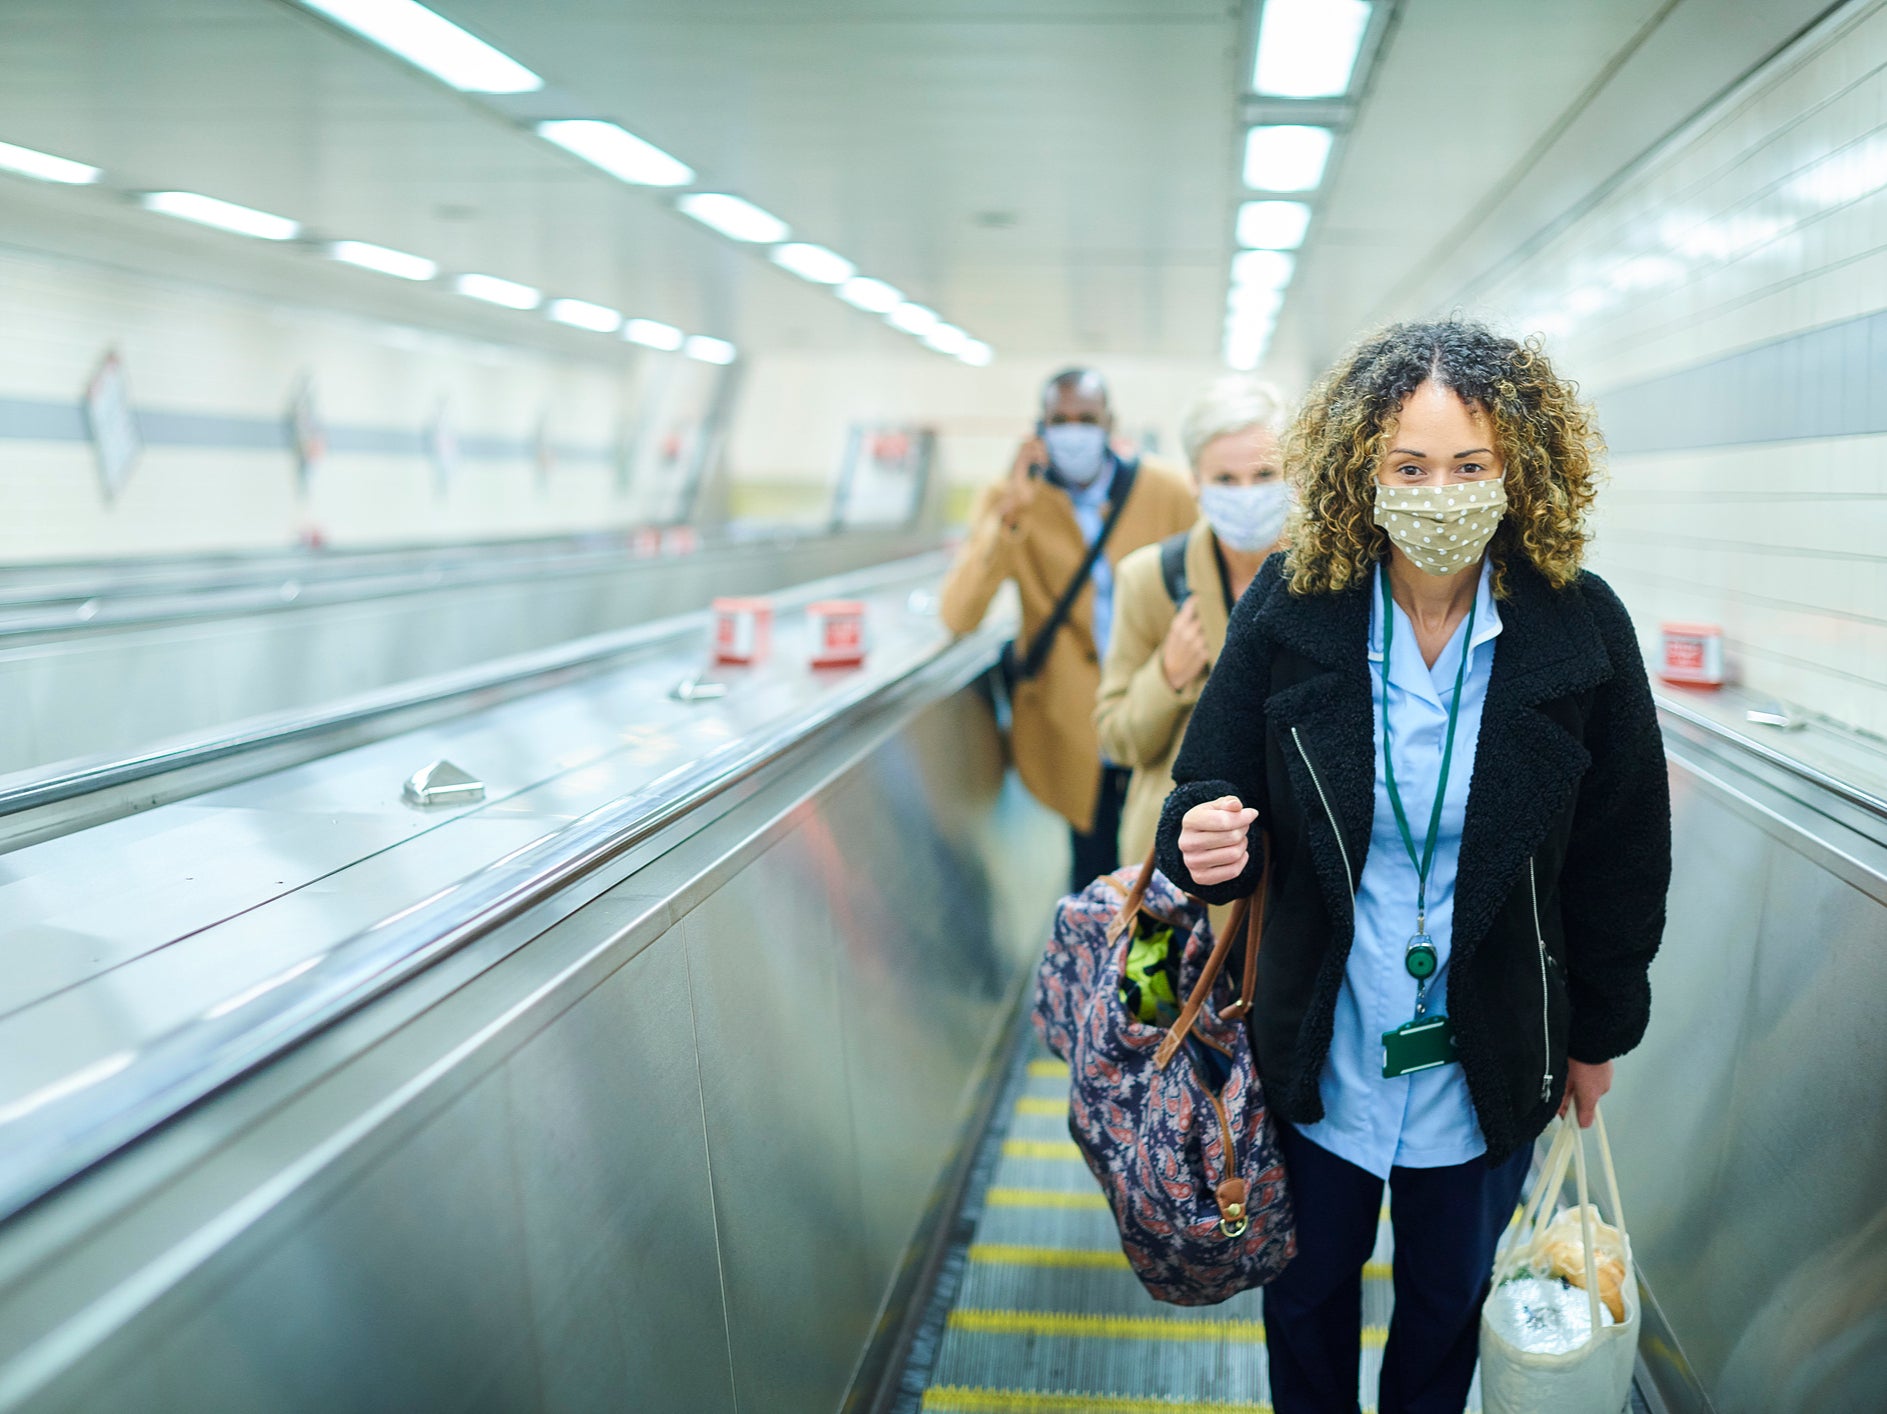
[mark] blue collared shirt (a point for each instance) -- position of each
(1090, 504)
(1424, 1120)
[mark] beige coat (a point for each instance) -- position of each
(1040, 548)
(1141, 720)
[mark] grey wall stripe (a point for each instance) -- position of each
(1826, 382)
(25, 420)
(382, 441)
(41, 422)
(200, 429)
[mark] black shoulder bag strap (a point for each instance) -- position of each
(1036, 658)
(1173, 567)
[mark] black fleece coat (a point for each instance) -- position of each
(1565, 851)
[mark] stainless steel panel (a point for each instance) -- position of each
(924, 974)
(764, 977)
(406, 1291)
(145, 928)
(663, 1167)
(1748, 1126)
(612, 1170)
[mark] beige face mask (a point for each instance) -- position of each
(1443, 529)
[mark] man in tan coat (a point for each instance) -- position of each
(1035, 527)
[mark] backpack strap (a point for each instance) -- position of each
(1173, 567)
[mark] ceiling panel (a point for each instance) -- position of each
(1052, 175)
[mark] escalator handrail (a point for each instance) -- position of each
(44, 1145)
(36, 788)
(1844, 790)
(320, 583)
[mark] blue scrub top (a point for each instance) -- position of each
(1425, 1120)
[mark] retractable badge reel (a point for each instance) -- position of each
(1425, 1041)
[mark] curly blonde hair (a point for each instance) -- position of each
(1548, 442)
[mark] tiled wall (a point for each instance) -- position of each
(1723, 304)
(212, 376)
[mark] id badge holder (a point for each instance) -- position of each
(1417, 1045)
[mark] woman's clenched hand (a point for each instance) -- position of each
(1213, 839)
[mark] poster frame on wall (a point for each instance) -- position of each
(307, 434)
(923, 444)
(111, 422)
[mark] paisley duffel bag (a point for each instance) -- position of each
(1170, 1118)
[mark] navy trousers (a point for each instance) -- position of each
(1446, 1222)
(1098, 851)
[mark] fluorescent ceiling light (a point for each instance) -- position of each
(873, 295)
(709, 350)
(913, 319)
(224, 215)
(814, 262)
(617, 151)
(652, 334)
(1275, 225)
(1244, 347)
(1251, 304)
(584, 315)
(492, 290)
(736, 219)
(947, 339)
(387, 262)
(1261, 269)
(977, 354)
(1286, 157)
(431, 42)
(45, 166)
(1308, 48)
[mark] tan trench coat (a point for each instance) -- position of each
(1139, 719)
(1054, 743)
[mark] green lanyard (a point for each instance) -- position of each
(1427, 857)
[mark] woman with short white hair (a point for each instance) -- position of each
(1172, 600)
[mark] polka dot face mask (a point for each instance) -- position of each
(1443, 529)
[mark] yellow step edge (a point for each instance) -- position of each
(1048, 1069)
(1041, 1105)
(1002, 1254)
(1008, 1254)
(1041, 1198)
(1040, 1149)
(1065, 1323)
(959, 1399)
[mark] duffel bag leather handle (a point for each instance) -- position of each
(1136, 896)
(1247, 921)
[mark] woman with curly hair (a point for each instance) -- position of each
(1442, 729)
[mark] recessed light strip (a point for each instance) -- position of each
(25, 162)
(431, 42)
(222, 215)
(386, 261)
(1308, 48)
(617, 151)
(734, 217)
(493, 290)
(581, 314)
(708, 350)
(652, 334)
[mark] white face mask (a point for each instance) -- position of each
(1443, 529)
(1077, 450)
(1246, 518)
